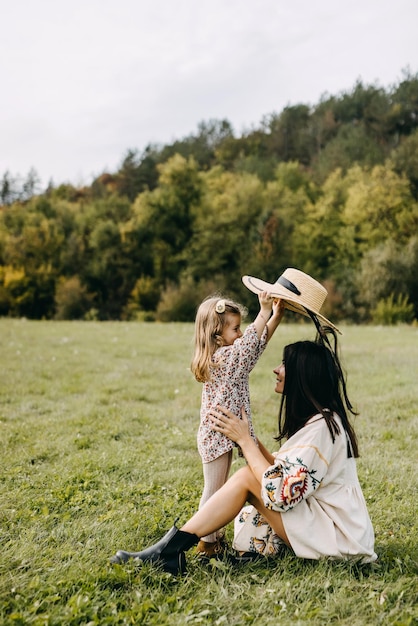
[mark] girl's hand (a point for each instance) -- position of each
(265, 300)
(225, 422)
(278, 308)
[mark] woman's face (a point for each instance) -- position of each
(280, 377)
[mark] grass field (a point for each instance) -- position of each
(97, 427)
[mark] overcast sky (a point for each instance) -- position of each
(82, 81)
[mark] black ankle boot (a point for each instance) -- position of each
(168, 552)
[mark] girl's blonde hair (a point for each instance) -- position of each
(209, 325)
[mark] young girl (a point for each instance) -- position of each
(308, 493)
(223, 360)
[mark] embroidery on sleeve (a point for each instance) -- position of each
(294, 480)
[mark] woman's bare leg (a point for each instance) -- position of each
(227, 502)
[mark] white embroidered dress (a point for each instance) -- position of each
(228, 387)
(314, 485)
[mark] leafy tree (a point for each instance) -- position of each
(405, 161)
(230, 150)
(322, 125)
(163, 218)
(224, 222)
(12, 188)
(138, 173)
(389, 270)
(8, 189)
(351, 145)
(391, 310)
(324, 247)
(5, 301)
(363, 103)
(286, 201)
(72, 300)
(178, 302)
(107, 274)
(64, 192)
(31, 246)
(36, 246)
(405, 104)
(33, 296)
(317, 236)
(262, 167)
(310, 187)
(379, 206)
(201, 146)
(30, 185)
(288, 134)
(145, 296)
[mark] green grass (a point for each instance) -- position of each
(98, 452)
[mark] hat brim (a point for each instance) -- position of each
(256, 285)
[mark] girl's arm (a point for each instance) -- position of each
(276, 318)
(263, 319)
(266, 303)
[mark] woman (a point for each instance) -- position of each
(307, 492)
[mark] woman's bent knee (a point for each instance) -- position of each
(245, 478)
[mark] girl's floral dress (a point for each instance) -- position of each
(228, 387)
(314, 485)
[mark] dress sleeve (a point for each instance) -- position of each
(244, 353)
(299, 468)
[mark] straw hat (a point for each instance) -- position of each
(299, 291)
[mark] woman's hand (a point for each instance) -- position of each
(237, 430)
(229, 424)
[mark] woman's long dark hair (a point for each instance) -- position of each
(315, 383)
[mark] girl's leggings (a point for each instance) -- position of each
(215, 474)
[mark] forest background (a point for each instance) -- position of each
(331, 189)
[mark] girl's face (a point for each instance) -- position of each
(232, 330)
(280, 377)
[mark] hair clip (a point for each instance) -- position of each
(220, 306)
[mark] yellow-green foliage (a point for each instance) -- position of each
(393, 310)
(328, 189)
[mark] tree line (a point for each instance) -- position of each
(331, 189)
